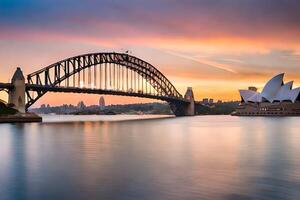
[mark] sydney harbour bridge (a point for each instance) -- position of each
(98, 73)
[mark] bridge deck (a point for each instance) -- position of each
(6, 86)
(33, 87)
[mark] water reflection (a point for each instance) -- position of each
(208, 157)
(274, 182)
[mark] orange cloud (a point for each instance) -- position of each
(182, 69)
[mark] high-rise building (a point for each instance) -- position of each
(205, 101)
(252, 88)
(102, 102)
(81, 105)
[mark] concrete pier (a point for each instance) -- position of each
(190, 108)
(180, 109)
(16, 96)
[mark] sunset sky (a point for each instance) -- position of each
(214, 46)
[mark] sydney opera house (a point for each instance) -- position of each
(276, 99)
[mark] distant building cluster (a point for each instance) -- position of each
(65, 108)
(45, 106)
(210, 101)
(81, 105)
(140, 108)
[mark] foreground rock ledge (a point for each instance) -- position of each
(25, 117)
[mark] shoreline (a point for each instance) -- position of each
(46, 118)
(21, 118)
(101, 118)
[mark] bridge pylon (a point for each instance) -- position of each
(16, 96)
(180, 109)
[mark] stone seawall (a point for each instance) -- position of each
(20, 118)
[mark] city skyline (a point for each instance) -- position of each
(216, 47)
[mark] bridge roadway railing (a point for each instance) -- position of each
(47, 88)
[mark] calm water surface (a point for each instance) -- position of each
(204, 157)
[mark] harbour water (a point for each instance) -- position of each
(202, 157)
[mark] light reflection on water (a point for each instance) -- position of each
(204, 157)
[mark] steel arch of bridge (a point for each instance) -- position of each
(123, 69)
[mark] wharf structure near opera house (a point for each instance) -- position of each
(276, 99)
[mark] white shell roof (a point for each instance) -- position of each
(294, 94)
(246, 94)
(272, 87)
(274, 90)
(284, 92)
(256, 98)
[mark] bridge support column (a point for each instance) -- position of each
(16, 96)
(180, 109)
